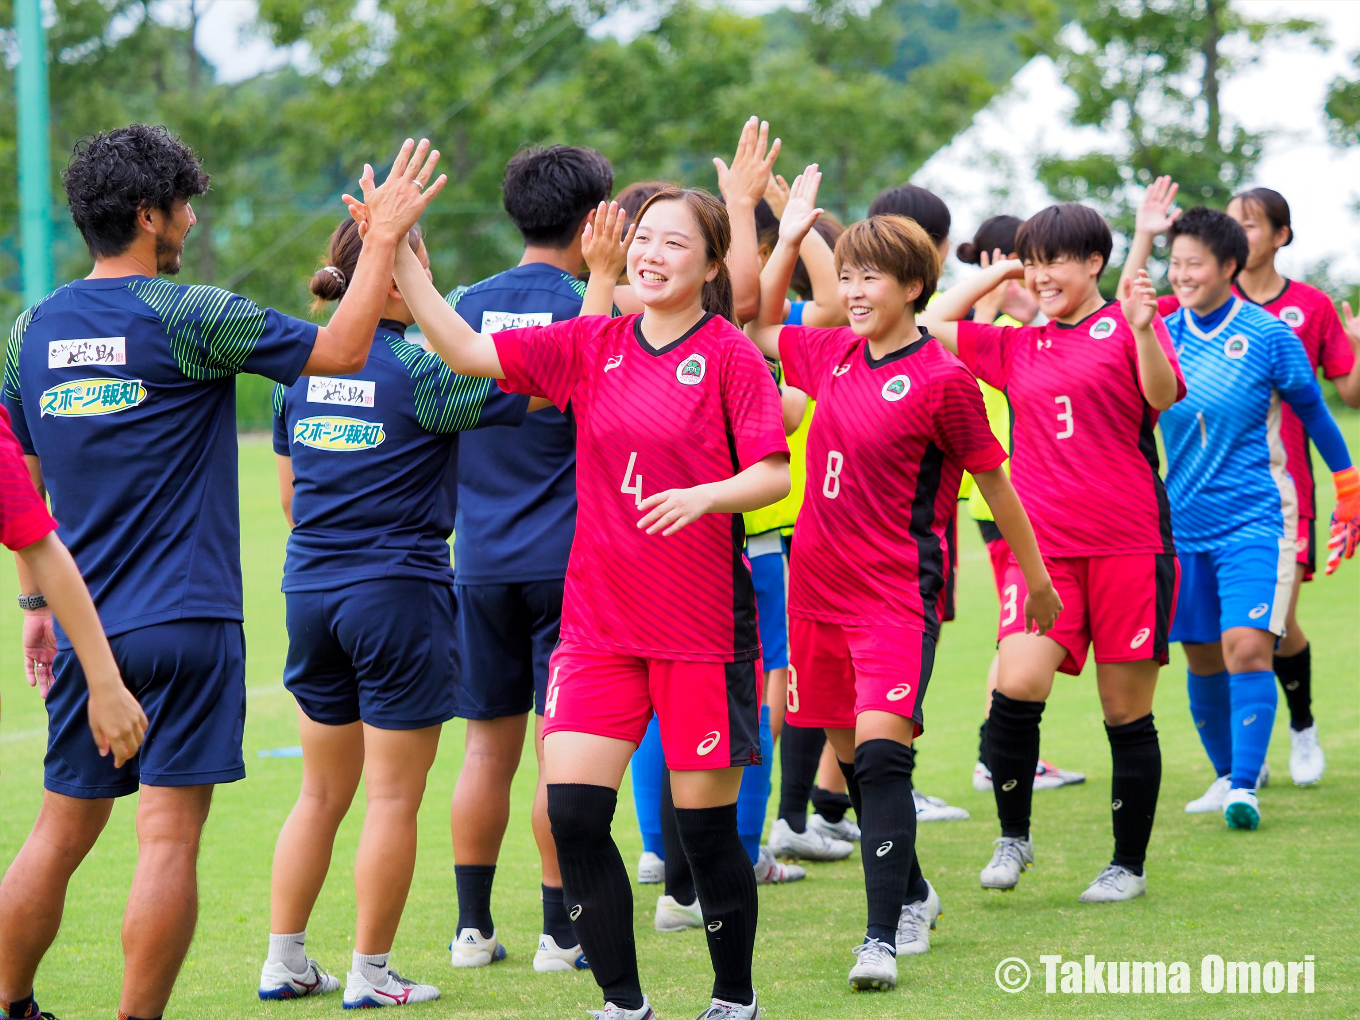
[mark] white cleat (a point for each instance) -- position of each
(844, 829)
(982, 778)
(811, 845)
(1306, 762)
(1263, 777)
(876, 968)
(1010, 859)
(470, 949)
(1048, 776)
(672, 915)
(651, 869)
(1213, 798)
(916, 924)
(934, 809)
(278, 982)
(395, 991)
(721, 1009)
(613, 1012)
(552, 957)
(1113, 884)
(772, 872)
(1241, 810)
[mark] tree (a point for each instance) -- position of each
(1343, 108)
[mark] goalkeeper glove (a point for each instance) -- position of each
(1345, 531)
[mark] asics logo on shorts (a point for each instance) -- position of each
(714, 925)
(613, 362)
(709, 743)
(1008, 785)
(1140, 637)
(575, 912)
(1248, 720)
(1259, 611)
(883, 850)
(899, 692)
(1116, 804)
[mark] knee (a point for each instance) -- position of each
(1251, 659)
(1011, 713)
(325, 801)
(883, 762)
(580, 814)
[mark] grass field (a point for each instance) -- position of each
(1275, 894)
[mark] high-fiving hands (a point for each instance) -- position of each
(745, 181)
(605, 241)
(1138, 300)
(800, 211)
(393, 207)
(1158, 212)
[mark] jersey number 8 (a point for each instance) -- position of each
(831, 484)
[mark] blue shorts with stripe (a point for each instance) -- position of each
(1245, 584)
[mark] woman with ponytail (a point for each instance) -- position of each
(679, 431)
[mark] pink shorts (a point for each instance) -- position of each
(1123, 605)
(709, 711)
(837, 671)
(999, 552)
(1306, 547)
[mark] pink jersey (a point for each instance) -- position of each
(1084, 458)
(888, 446)
(697, 410)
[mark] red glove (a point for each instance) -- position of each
(1345, 518)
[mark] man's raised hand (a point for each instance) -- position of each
(395, 206)
(745, 181)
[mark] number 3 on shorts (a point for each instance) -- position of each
(1010, 593)
(831, 484)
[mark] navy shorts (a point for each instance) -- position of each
(190, 677)
(766, 553)
(506, 633)
(383, 651)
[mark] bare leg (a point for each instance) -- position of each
(829, 775)
(33, 892)
(1294, 640)
(776, 697)
(547, 850)
(481, 800)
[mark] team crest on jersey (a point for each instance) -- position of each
(322, 389)
(340, 434)
(1102, 328)
(1292, 316)
(104, 350)
(81, 398)
(690, 372)
(1235, 346)
(896, 388)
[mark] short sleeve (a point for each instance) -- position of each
(751, 404)
(17, 423)
(447, 402)
(1335, 353)
(988, 350)
(546, 360)
(280, 419)
(795, 316)
(960, 424)
(24, 517)
(1290, 367)
(809, 354)
(1164, 338)
(1168, 305)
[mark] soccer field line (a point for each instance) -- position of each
(18, 735)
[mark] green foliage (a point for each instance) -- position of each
(1343, 108)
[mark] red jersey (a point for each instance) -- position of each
(1084, 457)
(887, 448)
(23, 515)
(698, 410)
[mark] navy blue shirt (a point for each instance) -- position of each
(126, 390)
(517, 487)
(375, 461)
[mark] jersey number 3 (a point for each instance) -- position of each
(1065, 416)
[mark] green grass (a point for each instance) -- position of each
(1275, 894)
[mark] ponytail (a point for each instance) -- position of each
(330, 282)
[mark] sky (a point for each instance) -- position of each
(988, 168)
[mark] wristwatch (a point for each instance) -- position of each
(38, 601)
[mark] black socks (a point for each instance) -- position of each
(474, 896)
(726, 884)
(982, 744)
(1012, 754)
(679, 876)
(831, 806)
(852, 789)
(1133, 790)
(1296, 677)
(595, 884)
(24, 1007)
(800, 749)
(556, 923)
(888, 846)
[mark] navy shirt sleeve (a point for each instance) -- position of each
(280, 421)
(12, 395)
(448, 402)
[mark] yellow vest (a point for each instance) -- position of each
(999, 418)
(783, 514)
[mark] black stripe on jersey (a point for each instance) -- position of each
(923, 680)
(1164, 574)
(743, 713)
(990, 532)
(930, 553)
(1308, 465)
(745, 632)
(1147, 445)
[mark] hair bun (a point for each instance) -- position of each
(968, 253)
(328, 283)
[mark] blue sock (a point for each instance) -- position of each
(1253, 716)
(649, 764)
(1211, 711)
(754, 795)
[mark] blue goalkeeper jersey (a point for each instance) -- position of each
(1226, 476)
(375, 463)
(126, 390)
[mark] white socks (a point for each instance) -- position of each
(289, 950)
(373, 968)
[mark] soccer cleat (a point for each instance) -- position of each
(613, 1012)
(1241, 809)
(278, 982)
(1113, 884)
(916, 924)
(844, 829)
(1212, 799)
(812, 845)
(470, 949)
(1048, 776)
(1263, 777)
(982, 778)
(934, 809)
(875, 968)
(33, 1012)
(395, 991)
(772, 872)
(651, 869)
(1010, 859)
(672, 915)
(721, 1009)
(551, 957)
(1306, 763)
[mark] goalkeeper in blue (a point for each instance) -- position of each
(1233, 506)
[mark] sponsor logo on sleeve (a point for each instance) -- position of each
(104, 350)
(1102, 327)
(494, 322)
(1235, 346)
(323, 389)
(81, 398)
(613, 362)
(896, 388)
(841, 369)
(690, 371)
(1292, 316)
(338, 434)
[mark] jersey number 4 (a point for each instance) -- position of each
(635, 488)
